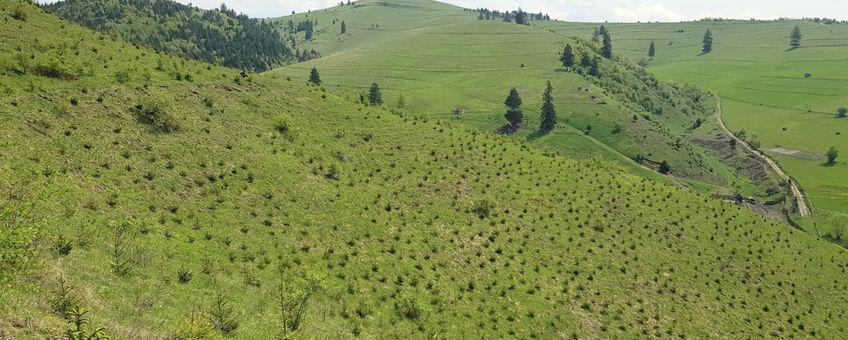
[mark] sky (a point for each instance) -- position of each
(589, 10)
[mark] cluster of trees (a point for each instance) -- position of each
(515, 116)
(219, 36)
(587, 63)
(826, 21)
(518, 16)
(305, 26)
(306, 55)
(602, 35)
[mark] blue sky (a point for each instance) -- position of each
(590, 10)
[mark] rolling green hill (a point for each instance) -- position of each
(257, 207)
(764, 92)
(445, 63)
(217, 36)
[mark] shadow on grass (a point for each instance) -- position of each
(538, 134)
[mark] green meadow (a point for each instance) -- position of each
(440, 61)
(149, 196)
(764, 91)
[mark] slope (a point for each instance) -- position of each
(272, 194)
(764, 91)
(460, 68)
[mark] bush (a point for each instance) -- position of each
(483, 208)
(285, 128)
(842, 112)
(80, 329)
(122, 77)
(410, 308)
(334, 172)
(223, 316)
(183, 275)
(665, 168)
(154, 114)
(19, 13)
(62, 246)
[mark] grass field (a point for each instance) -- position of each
(213, 208)
(440, 58)
(763, 89)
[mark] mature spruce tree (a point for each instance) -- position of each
(585, 60)
(795, 39)
(603, 30)
(513, 115)
(521, 17)
(567, 57)
(595, 67)
(708, 42)
(344, 27)
(548, 112)
(652, 52)
(606, 50)
(314, 77)
(308, 34)
(375, 97)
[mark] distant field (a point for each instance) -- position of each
(440, 58)
(763, 89)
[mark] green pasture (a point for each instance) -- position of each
(441, 60)
(763, 88)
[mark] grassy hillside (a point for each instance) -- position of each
(217, 36)
(442, 60)
(220, 207)
(764, 92)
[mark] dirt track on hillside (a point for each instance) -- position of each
(803, 209)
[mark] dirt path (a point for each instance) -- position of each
(803, 209)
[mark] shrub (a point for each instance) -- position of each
(194, 329)
(831, 155)
(54, 70)
(62, 245)
(333, 172)
(410, 308)
(222, 316)
(64, 299)
(19, 13)
(79, 328)
(155, 115)
(292, 304)
(285, 128)
(483, 208)
(665, 168)
(183, 275)
(842, 112)
(122, 77)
